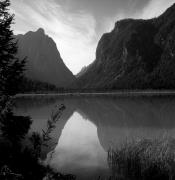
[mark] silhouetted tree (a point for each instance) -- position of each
(15, 146)
(11, 68)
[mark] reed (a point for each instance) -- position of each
(146, 159)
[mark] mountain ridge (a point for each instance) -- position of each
(44, 62)
(136, 54)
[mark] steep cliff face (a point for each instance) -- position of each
(83, 71)
(136, 54)
(44, 62)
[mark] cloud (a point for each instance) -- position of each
(155, 8)
(74, 32)
(77, 25)
(103, 10)
(151, 9)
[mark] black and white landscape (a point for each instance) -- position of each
(44, 62)
(136, 54)
(87, 90)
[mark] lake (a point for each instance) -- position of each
(90, 126)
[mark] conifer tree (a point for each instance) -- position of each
(11, 68)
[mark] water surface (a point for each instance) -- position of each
(91, 125)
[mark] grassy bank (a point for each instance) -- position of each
(122, 93)
(143, 160)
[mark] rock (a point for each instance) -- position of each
(44, 62)
(136, 54)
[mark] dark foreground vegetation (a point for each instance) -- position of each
(28, 86)
(144, 160)
(20, 152)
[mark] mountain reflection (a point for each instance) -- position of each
(78, 149)
(90, 126)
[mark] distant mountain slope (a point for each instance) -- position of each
(137, 54)
(83, 71)
(33, 86)
(44, 62)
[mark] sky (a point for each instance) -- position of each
(77, 25)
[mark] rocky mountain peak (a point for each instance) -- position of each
(44, 62)
(136, 54)
(40, 31)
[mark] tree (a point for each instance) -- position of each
(11, 68)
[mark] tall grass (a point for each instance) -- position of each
(143, 160)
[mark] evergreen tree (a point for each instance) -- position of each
(11, 68)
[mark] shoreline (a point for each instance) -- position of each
(116, 93)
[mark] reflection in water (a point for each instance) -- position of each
(90, 126)
(78, 148)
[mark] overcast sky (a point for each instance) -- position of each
(77, 25)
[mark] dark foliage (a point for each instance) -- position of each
(28, 86)
(21, 153)
(18, 159)
(11, 68)
(13, 154)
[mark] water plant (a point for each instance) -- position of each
(146, 159)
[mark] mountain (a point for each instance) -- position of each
(83, 71)
(44, 62)
(33, 86)
(136, 54)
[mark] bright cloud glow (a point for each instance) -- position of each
(74, 33)
(78, 147)
(77, 32)
(155, 8)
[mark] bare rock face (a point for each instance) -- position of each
(136, 54)
(44, 62)
(83, 71)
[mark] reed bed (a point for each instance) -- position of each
(146, 159)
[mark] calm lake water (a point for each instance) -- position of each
(90, 126)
